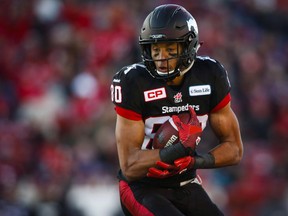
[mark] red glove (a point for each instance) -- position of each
(166, 170)
(189, 134)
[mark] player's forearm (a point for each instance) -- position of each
(215, 159)
(226, 127)
(138, 163)
(227, 154)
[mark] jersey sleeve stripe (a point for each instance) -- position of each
(222, 103)
(129, 114)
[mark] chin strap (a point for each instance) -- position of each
(187, 69)
(190, 66)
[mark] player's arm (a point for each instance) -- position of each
(134, 162)
(225, 126)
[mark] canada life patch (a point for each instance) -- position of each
(199, 90)
(155, 94)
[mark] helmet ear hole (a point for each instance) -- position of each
(189, 52)
(146, 50)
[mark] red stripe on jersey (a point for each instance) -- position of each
(129, 114)
(222, 103)
(129, 201)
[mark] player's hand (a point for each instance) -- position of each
(184, 163)
(165, 170)
(189, 134)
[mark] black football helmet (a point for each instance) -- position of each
(170, 23)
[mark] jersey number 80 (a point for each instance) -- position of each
(116, 94)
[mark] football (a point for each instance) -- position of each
(167, 134)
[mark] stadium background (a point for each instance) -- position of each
(57, 148)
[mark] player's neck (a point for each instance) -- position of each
(177, 81)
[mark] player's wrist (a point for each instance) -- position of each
(173, 152)
(204, 161)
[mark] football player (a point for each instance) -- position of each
(170, 80)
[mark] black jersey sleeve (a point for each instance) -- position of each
(125, 93)
(221, 92)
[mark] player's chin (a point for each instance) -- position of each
(162, 70)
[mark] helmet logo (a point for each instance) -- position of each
(192, 24)
(157, 36)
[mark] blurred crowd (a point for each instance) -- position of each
(57, 148)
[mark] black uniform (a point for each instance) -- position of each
(139, 96)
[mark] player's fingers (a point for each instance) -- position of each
(176, 120)
(165, 166)
(156, 173)
(184, 160)
(152, 175)
(193, 117)
(192, 111)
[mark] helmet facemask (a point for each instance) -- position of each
(185, 58)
